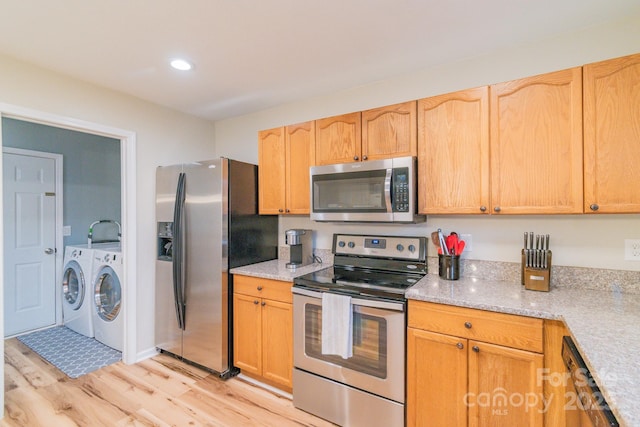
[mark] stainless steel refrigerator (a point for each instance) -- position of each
(207, 223)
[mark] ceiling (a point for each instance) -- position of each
(254, 54)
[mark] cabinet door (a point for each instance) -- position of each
(453, 153)
(338, 139)
(436, 379)
(504, 386)
(536, 144)
(271, 171)
(300, 142)
(389, 131)
(612, 136)
(247, 333)
(277, 352)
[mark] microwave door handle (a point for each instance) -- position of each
(387, 189)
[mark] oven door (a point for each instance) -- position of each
(377, 364)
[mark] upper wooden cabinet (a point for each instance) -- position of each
(338, 139)
(612, 136)
(285, 155)
(453, 153)
(389, 131)
(536, 144)
(380, 133)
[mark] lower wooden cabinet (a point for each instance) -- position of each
(263, 330)
(458, 380)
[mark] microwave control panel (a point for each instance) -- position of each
(400, 190)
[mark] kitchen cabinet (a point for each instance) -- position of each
(536, 144)
(379, 133)
(453, 153)
(389, 131)
(473, 367)
(612, 136)
(263, 330)
(285, 155)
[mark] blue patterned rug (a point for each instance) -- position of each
(72, 353)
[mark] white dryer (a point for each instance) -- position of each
(77, 291)
(107, 294)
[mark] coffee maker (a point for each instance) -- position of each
(300, 250)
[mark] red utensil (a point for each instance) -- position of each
(460, 247)
(452, 243)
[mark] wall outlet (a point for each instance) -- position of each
(632, 249)
(468, 242)
(66, 230)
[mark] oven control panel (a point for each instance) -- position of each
(402, 247)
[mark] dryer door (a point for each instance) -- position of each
(107, 294)
(73, 285)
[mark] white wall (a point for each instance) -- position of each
(162, 137)
(577, 240)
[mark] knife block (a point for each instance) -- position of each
(536, 279)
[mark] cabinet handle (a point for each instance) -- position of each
(483, 208)
(287, 210)
(256, 302)
(468, 325)
(365, 157)
(355, 158)
(476, 348)
(280, 210)
(263, 303)
(259, 288)
(497, 209)
(460, 345)
(594, 207)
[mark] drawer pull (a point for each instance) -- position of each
(460, 345)
(467, 325)
(256, 301)
(476, 348)
(264, 303)
(259, 288)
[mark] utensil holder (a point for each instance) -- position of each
(536, 278)
(449, 266)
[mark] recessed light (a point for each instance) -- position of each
(181, 64)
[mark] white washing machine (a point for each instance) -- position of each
(107, 291)
(77, 290)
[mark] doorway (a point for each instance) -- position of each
(128, 203)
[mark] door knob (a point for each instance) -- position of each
(49, 251)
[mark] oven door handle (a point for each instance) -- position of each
(385, 305)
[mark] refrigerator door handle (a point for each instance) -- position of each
(178, 251)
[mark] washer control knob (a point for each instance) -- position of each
(411, 248)
(399, 247)
(341, 244)
(352, 245)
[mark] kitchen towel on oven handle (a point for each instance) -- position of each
(337, 325)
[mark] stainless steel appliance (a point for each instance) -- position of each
(372, 191)
(367, 388)
(207, 223)
(582, 391)
(300, 248)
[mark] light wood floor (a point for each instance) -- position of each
(160, 391)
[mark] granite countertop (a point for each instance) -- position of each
(277, 270)
(605, 326)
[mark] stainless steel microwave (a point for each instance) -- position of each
(371, 191)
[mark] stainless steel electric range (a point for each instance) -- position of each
(365, 386)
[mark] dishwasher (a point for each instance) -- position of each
(583, 392)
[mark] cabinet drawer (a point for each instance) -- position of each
(263, 288)
(498, 328)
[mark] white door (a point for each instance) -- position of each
(29, 242)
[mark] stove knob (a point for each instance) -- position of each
(412, 248)
(341, 244)
(400, 248)
(352, 245)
